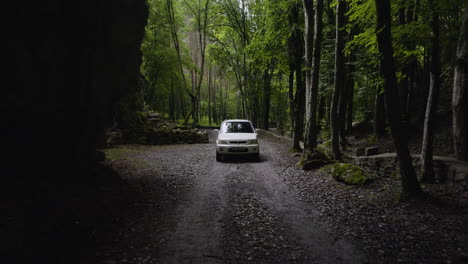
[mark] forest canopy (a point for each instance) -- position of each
(312, 68)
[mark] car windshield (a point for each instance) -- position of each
(237, 127)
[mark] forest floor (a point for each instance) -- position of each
(181, 206)
(176, 204)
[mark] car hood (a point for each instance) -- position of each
(237, 136)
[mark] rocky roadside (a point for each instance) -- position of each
(433, 229)
(429, 230)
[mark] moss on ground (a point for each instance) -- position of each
(347, 173)
(127, 153)
(117, 153)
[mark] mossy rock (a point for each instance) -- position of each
(314, 160)
(348, 174)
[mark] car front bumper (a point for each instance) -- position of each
(241, 149)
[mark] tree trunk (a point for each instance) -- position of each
(295, 67)
(221, 101)
(339, 79)
(175, 42)
(299, 111)
(460, 95)
(215, 116)
(404, 83)
(311, 131)
(308, 50)
(350, 96)
(322, 105)
(380, 116)
(343, 102)
(266, 97)
(172, 102)
(291, 95)
(427, 170)
(409, 182)
(209, 96)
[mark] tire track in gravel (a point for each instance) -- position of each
(240, 211)
(199, 215)
(271, 223)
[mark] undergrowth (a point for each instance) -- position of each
(347, 173)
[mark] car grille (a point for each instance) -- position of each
(237, 142)
(238, 149)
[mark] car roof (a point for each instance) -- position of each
(236, 120)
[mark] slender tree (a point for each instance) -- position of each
(343, 98)
(350, 93)
(297, 98)
(409, 182)
(308, 50)
(312, 98)
(427, 171)
(200, 12)
(299, 110)
(339, 78)
(175, 41)
(209, 96)
(267, 76)
(460, 94)
(379, 114)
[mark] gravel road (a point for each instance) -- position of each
(192, 209)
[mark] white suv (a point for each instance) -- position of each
(237, 137)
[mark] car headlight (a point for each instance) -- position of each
(253, 141)
(222, 141)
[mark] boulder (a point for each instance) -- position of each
(371, 151)
(315, 160)
(348, 174)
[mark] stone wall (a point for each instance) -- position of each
(448, 170)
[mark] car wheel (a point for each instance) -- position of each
(256, 157)
(218, 157)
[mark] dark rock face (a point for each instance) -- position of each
(70, 63)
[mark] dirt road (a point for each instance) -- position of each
(236, 211)
(181, 206)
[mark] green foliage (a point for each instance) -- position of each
(347, 173)
(159, 58)
(248, 38)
